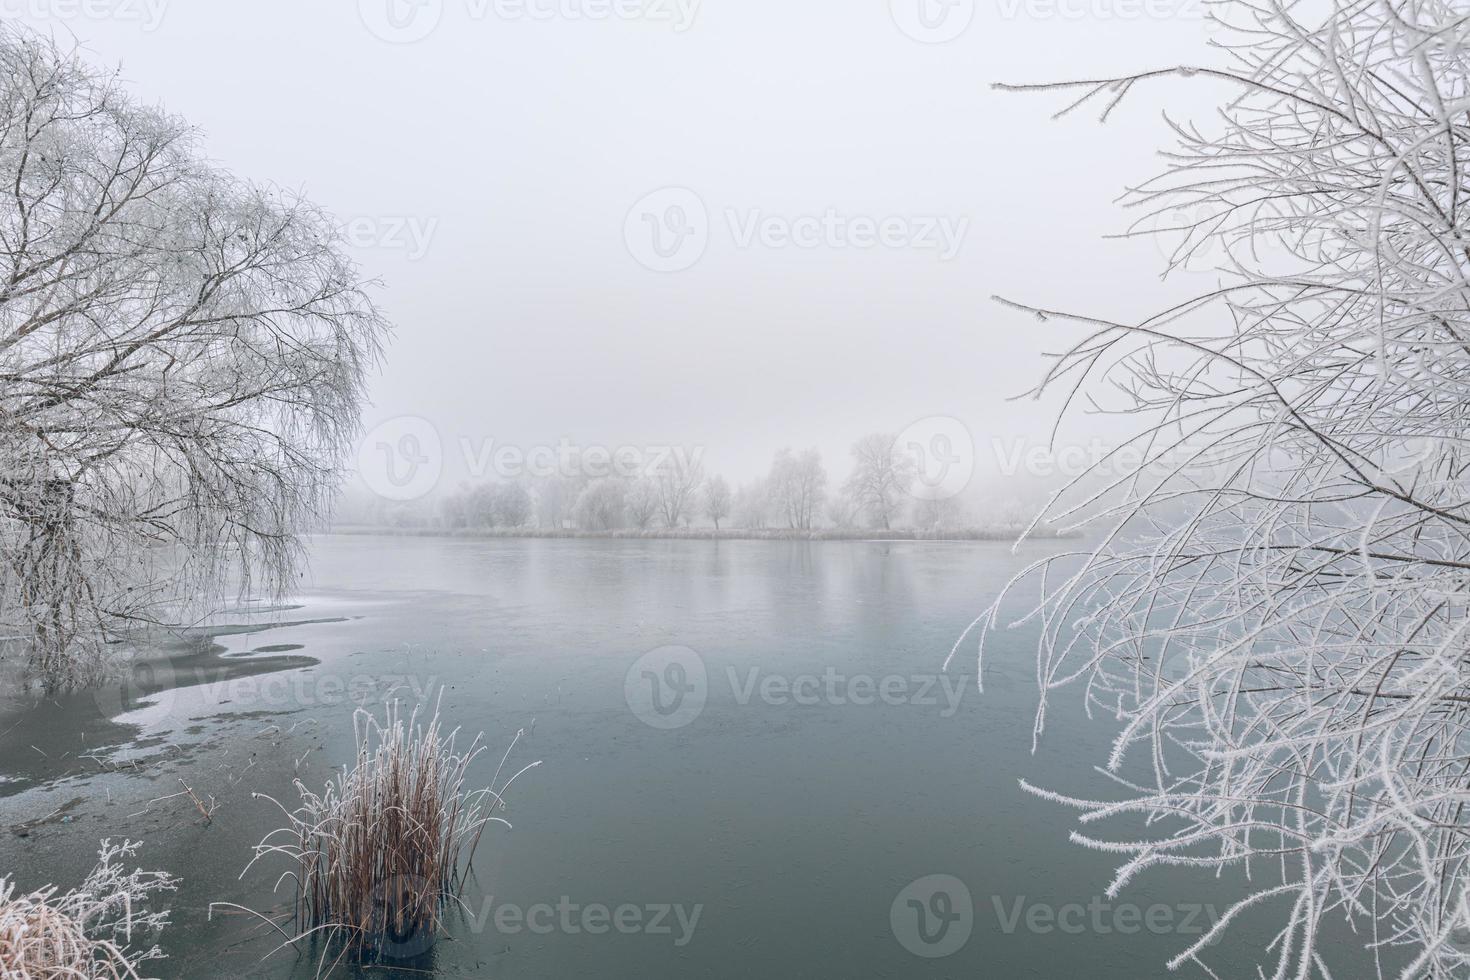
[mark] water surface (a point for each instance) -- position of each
(823, 802)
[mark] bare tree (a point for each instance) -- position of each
(480, 505)
(182, 355)
(1277, 608)
(677, 479)
(455, 509)
(941, 512)
(842, 511)
(600, 505)
(881, 475)
(510, 505)
(555, 498)
(716, 499)
(798, 486)
(751, 506)
(642, 502)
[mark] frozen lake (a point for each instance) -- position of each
(753, 765)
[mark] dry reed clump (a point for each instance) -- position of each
(387, 844)
(85, 933)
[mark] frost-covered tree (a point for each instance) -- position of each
(842, 511)
(751, 506)
(479, 505)
(676, 479)
(600, 505)
(555, 498)
(932, 514)
(642, 502)
(881, 476)
(1276, 609)
(489, 505)
(716, 499)
(798, 486)
(455, 510)
(182, 357)
(511, 505)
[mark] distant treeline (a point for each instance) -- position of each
(710, 534)
(675, 498)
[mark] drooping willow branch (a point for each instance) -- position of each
(182, 361)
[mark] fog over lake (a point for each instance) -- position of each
(695, 488)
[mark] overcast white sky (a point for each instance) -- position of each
(490, 166)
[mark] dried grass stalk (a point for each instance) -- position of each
(386, 845)
(86, 933)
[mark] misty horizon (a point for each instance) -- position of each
(857, 205)
(673, 488)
